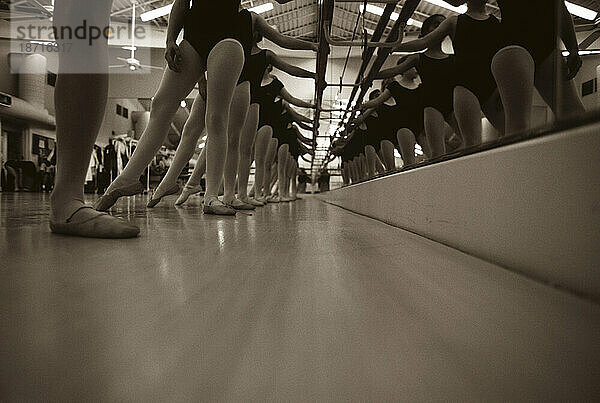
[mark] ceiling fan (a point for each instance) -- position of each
(131, 62)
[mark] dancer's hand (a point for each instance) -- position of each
(573, 65)
(173, 57)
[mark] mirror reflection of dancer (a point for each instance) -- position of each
(80, 99)
(528, 58)
(438, 75)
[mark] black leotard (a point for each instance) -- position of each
(269, 109)
(242, 32)
(439, 79)
(371, 137)
(282, 124)
(475, 44)
(530, 24)
(254, 70)
(294, 143)
(209, 22)
(352, 149)
(408, 112)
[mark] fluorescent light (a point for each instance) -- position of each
(582, 12)
(583, 52)
(440, 3)
(263, 8)
(183, 104)
(379, 11)
(156, 13)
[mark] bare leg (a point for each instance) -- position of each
(289, 175)
(263, 139)
(269, 171)
(435, 131)
(387, 151)
(294, 190)
(406, 140)
(282, 158)
(173, 88)
(246, 143)
(468, 115)
(514, 71)
(192, 131)
(80, 99)
(193, 184)
(569, 103)
(370, 156)
(346, 174)
(237, 120)
(225, 64)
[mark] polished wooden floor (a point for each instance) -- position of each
(297, 302)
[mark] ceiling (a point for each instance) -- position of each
(298, 18)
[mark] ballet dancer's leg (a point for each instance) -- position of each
(80, 99)
(514, 71)
(346, 174)
(289, 175)
(294, 188)
(435, 131)
(387, 151)
(192, 130)
(265, 189)
(237, 120)
(468, 115)
(225, 64)
(282, 158)
(407, 142)
(370, 154)
(246, 143)
(173, 88)
(568, 102)
(263, 139)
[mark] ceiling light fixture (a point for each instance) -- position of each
(440, 3)
(156, 13)
(582, 12)
(263, 8)
(379, 11)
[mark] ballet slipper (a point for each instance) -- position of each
(274, 199)
(240, 205)
(110, 198)
(154, 201)
(214, 206)
(100, 225)
(253, 202)
(187, 192)
(287, 199)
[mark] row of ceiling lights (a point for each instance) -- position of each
(574, 9)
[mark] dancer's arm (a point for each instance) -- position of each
(361, 119)
(295, 101)
(303, 139)
(409, 63)
(569, 38)
(297, 116)
(176, 21)
(374, 103)
(306, 150)
(295, 71)
(447, 27)
(284, 41)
